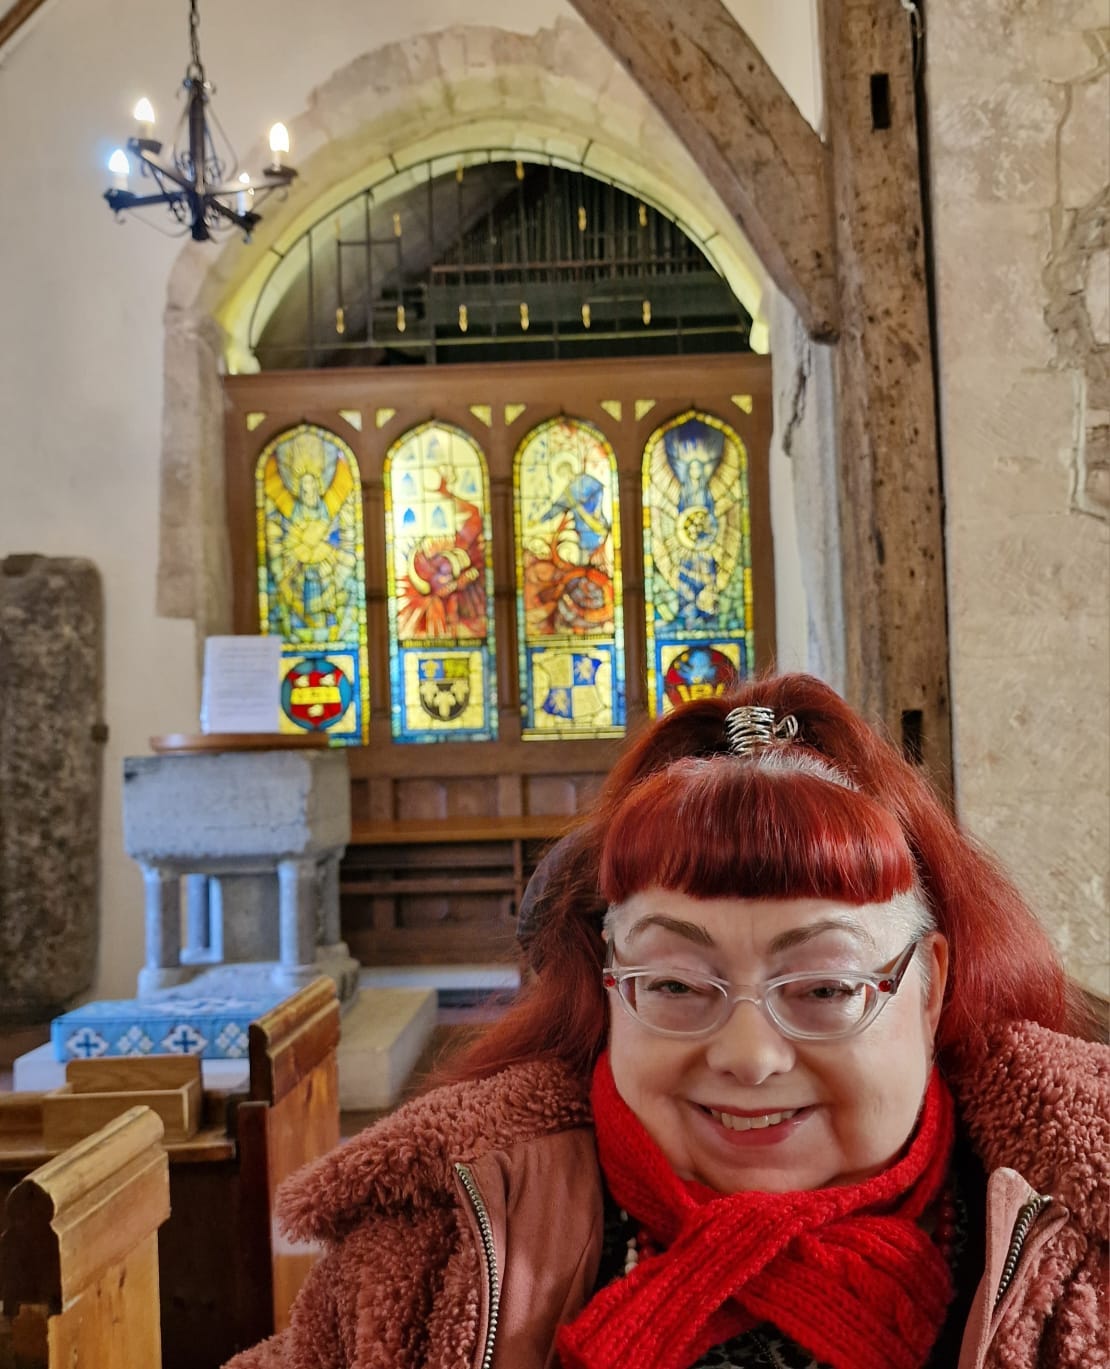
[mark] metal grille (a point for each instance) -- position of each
(503, 260)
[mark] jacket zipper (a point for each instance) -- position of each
(1027, 1215)
(485, 1230)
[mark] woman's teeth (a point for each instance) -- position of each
(734, 1123)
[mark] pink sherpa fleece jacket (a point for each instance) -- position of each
(399, 1287)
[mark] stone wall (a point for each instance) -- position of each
(1019, 100)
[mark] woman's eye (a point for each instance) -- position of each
(825, 990)
(671, 988)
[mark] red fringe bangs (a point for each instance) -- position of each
(719, 828)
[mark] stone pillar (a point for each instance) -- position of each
(329, 901)
(198, 926)
(297, 923)
(163, 968)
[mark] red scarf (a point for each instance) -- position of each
(847, 1273)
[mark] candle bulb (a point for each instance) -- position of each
(244, 196)
(279, 142)
(120, 168)
(143, 114)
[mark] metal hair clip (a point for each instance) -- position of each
(749, 729)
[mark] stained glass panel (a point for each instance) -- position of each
(568, 575)
(697, 559)
(312, 580)
(440, 583)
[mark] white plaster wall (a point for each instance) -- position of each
(1020, 107)
(786, 33)
(81, 319)
(81, 303)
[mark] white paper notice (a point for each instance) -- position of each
(242, 685)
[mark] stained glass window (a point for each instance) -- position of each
(440, 587)
(697, 559)
(312, 580)
(568, 574)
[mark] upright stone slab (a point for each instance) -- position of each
(51, 735)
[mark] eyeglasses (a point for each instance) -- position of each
(813, 1006)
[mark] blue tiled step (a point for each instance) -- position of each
(211, 1028)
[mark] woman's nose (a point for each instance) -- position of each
(749, 1046)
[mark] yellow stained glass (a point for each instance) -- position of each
(744, 402)
(255, 420)
(643, 408)
(697, 559)
(382, 417)
(353, 417)
(568, 576)
(440, 587)
(483, 413)
(513, 412)
(613, 408)
(312, 579)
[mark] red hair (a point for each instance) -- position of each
(722, 826)
(731, 828)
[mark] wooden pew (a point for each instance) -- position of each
(227, 1277)
(79, 1253)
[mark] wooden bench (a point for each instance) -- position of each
(79, 1253)
(227, 1276)
(441, 890)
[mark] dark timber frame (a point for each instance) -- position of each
(839, 225)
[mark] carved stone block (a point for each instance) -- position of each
(51, 735)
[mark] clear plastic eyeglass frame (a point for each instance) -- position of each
(881, 986)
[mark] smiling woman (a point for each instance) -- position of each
(797, 1080)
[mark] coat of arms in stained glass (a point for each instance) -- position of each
(569, 609)
(312, 578)
(440, 579)
(697, 559)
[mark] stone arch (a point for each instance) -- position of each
(555, 93)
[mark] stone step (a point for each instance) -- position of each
(383, 1034)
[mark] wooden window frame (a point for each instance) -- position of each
(577, 389)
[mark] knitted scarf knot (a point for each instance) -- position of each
(847, 1273)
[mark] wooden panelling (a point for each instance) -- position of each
(447, 891)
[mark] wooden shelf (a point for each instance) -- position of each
(447, 889)
(437, 831)
(194, 743)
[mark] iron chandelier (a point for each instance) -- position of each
(198, 179)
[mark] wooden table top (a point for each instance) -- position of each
(196, 743)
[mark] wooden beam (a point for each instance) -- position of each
(717, 92)
(16, 17)
(892, 547)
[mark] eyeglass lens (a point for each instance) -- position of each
(821, 1006)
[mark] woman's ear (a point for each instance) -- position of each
(937, 978)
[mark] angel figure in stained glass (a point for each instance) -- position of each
(311, 541)
(696, 522)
